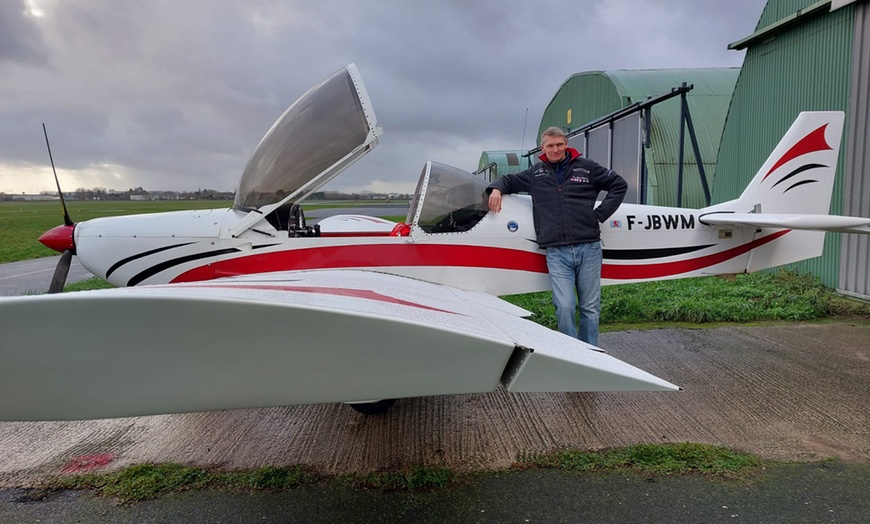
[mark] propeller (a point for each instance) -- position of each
(59, 238)
(58, 280)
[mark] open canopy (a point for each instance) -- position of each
(321, 134)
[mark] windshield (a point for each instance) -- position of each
(448, 200)
(315, 139)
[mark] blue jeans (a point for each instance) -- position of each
(576, 268)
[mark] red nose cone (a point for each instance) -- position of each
(59, 238)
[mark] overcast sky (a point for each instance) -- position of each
(176, 94)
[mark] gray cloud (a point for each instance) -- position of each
(176, 94)
(20, 38)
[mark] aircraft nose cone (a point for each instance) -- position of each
(59, 238)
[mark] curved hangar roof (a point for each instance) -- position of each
(586, 96)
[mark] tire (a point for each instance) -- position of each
(374, 408)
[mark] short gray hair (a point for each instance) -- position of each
(554, 132)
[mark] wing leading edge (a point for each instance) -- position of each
(280, 339)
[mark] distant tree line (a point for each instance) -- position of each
(101, 193)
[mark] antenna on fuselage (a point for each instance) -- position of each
(525, 123)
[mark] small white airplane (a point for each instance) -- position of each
(252, 307)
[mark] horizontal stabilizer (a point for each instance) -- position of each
(833, 223)
(279, 339)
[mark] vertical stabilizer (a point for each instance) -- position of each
(798, 177)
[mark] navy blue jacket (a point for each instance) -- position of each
(565, 212)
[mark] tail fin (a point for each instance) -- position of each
(798, 177)
(789, 198)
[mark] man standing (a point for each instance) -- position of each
(564, 187)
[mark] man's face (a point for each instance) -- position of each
(554, 148)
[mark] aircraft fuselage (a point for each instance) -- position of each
(498, 255)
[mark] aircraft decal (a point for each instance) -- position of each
(814, 141)
(121, 262)
(337, 291)
(633, 271)
(646, 254)
(655, 222)
(356, 256)
(170, 263)
(798, 171)
(163, 266)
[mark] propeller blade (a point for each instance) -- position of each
(60, 272)
(63, 233)
(67, 221)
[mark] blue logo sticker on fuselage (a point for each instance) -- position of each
(513, 226)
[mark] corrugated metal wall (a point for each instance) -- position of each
(805, 66)
(854, 274)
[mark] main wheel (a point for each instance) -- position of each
(374, 408)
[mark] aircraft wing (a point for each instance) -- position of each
(280, 339)
(833, 223)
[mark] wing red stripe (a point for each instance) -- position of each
(362, 256)
(338, 291)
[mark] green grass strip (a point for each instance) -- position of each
(656, 459)
(148, 481)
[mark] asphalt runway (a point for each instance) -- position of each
(34, 276)
(786, 391)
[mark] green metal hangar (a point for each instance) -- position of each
(807, 56)
(690, 137)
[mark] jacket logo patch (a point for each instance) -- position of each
(581, 179)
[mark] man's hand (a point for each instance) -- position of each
(495, 200)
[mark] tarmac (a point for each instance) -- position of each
(34, 276)
(788, 392)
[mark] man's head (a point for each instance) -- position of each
(553, 143)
